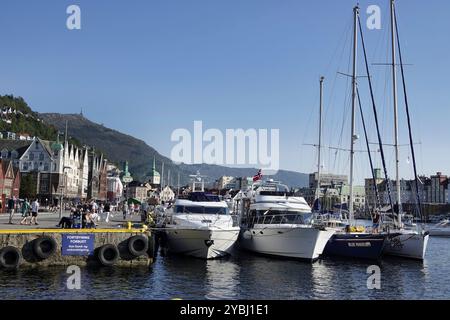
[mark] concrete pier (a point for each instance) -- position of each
(65, 246)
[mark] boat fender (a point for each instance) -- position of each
(10, 258)
(108, 254)
(138, 245)
(44, 247)
(247, 235)
(152, 247)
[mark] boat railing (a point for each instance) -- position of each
(235, 219)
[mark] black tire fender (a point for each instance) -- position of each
(108, 254)
(152, 246)
(137, 245)
(44, 247)
(10, 258)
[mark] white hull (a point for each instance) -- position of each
(293, 241)
(408, 244)
(202, 243)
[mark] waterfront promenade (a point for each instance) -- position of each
(49, 220)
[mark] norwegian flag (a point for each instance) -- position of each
(258, 176)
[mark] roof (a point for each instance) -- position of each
(47, 145)
(19, 145)
(136, 184)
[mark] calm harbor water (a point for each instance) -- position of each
(242, 276)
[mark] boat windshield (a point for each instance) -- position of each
(280, 217)
(201, 210)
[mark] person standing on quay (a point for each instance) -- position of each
(107, 210)
(125, 210)
(11, 207)
(34, 211)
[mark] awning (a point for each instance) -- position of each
(133, 201)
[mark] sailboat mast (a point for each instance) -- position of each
(178, 184)
(354, 94)
(320, 139)
(394, 88)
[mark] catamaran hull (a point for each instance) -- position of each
(407, 245)
(358, 246)
(299, 243)
(204, 244)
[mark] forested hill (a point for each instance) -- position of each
(17, 116)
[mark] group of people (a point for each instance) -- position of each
(28, 210)
(86, 215)
(130, 209)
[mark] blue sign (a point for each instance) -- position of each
(78, 244)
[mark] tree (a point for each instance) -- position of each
(28, 186)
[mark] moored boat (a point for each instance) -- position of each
(442, 229)
(199, 225)
(276, 222)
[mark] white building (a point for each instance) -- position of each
(224, 182)
(167, 194)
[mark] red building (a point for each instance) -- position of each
(9, 183)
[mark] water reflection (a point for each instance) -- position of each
(222, 279)
(242, 276)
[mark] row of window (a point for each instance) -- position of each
(36, 156)
(27, 166)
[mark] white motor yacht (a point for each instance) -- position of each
(275, 222)
(200, 225)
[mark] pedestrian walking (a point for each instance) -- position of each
(11, 207)
(34, 211)
(25, 211)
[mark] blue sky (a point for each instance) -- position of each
(149, 67)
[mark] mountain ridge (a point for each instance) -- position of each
(119, 147)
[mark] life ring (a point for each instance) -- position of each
(10, 258)
(108, 254)
(138, 245)
(44, 247)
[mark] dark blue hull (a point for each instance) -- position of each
(356, 245)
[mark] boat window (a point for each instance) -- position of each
(280, 212)
(283, 217)
(209, 210)
(201, 210)
(276, 219)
